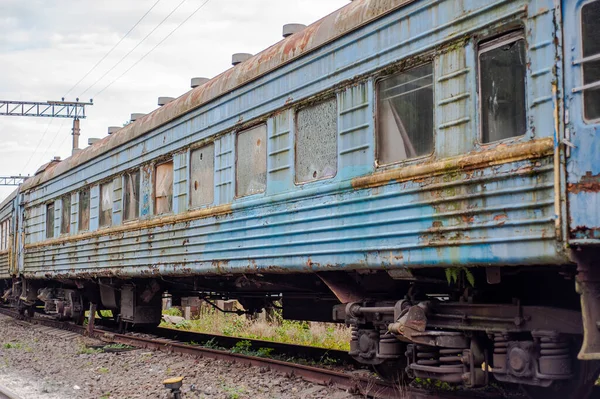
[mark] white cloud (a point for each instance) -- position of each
(47, 46)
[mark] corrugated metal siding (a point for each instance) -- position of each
(180, 183)
(471, 218)
(502, 214)
(35, 224)
(4, 264)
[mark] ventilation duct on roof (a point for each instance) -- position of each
(238, 58)
(93, 140)
(198, 82)
(165, 100)
(136, 116)
(112, 129)
(290, 29)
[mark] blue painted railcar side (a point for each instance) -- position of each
(466, 204)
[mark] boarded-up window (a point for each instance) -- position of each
(5, 234)
(106, 204)
(65, 220)
(84, 210)
(502, 69)
(131, 195)
(590, 35)
(251, 168)
(164, 188)
(316, 142)
(50, 220)
(202, 182)
(405, 115)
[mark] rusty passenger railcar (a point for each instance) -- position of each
(425, 171)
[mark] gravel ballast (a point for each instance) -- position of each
(38, 363)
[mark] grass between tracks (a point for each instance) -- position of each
(211, 321)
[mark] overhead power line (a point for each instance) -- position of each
(38, 145)
(113, 48)
(133, 49)
(153, 48)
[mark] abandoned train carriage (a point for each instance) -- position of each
(394, 157)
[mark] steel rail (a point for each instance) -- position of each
(367, 386)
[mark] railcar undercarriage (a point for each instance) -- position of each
(466, 327)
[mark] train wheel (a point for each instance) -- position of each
(392, 370)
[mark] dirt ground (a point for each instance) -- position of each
(34, 364)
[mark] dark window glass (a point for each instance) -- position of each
(84, 210)
(50, 220)
(405, 115)
(131, 195)
(316, 142)
(164, 188)
(65, 221)
(106, 204)
(590, 26)
(502, 69)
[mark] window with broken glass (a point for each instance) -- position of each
(84, 210)
(106, 204)
(202, 167)
(405, 115)
(590, 35)
(65, 211)
(502, 70)
(164, 188)
(50, 220)
(316, 142)
(251, 165)
(131, 195)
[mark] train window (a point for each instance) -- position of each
(251, 168)
(84, 210)
(50, 220)
(164, 188)
(131, 195)
(202, 167)
(5, 233)
(590, 26)
(65, 220)
(106, 204)
(316, 142)
(405, 115)
(502, 69)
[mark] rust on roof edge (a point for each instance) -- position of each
(316, 35)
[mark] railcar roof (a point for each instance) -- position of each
(336, 24)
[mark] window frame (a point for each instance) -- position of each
(46, 233)
(62, 210)
(100, 210)
(484, 46)
(580, 64)
(429, 59)
(294, 133)
(139, 191)
(80, 214)
(154, 186)
(196, 147)
(235, 172)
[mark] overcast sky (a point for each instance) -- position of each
(46, 46)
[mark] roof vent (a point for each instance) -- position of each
(136, 116)
(112, 129)
(290, 29)
(238, 58)
(198, 82)
(93, 140)
(56, 159)
(165, 100)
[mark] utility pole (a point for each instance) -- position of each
(49, 109)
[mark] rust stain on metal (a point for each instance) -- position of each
(499, 155)
(588, 184)
(214, 211)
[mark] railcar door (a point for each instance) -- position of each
(581, 30)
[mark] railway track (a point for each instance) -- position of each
(364, 385)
